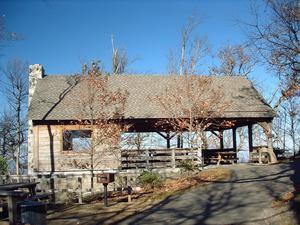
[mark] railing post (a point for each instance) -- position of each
(79, 190)
(173, 158)
(147, 158)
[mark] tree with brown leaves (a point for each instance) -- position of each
(192, 105)
(100, 107)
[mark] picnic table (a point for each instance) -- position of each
(13, 194)
(229, 157)
(16, 186)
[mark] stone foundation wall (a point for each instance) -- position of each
(72, 186)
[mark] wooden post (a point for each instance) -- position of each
(36, 148)
(173, 158)
(168, 140)
(269, 136)
(105, 195)
(79, 190)
(267, 127)
(129, 190)
(234, 139)
(147, 159)
(221, 140)
(181, 141)
(250, 139)
(12, 210)
(178, 141)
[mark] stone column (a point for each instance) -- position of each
(36, 72)
(267, 127)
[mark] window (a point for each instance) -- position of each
(77, 140)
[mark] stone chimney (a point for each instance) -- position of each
(36, 72)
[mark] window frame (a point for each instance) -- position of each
(72, 151)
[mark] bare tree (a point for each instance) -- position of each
(119, 59)
(8, 139)
(15, 88)
(292, 109)
(276, 38)
(234, 61)
(192, 49)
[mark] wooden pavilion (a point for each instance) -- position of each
(51, 113)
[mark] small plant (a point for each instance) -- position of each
(3, 166)
(150, 179)
(187, 165)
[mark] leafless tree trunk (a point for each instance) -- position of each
(293, 112)
(191, 51)
(119, 59)
(15, 88)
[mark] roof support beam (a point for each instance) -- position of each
(221, 139)
(250, 138)
(168, 137)
(234, 139)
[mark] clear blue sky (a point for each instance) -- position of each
(59, 34)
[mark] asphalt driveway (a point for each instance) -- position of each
(244, 199)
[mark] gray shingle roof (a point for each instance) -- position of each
(53, 97)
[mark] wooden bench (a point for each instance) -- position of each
(227, 157)
(42, 196)
(12, 198)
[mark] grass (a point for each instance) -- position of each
(177, 186)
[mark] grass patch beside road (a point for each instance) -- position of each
(188, 181)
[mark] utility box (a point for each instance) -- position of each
(105, 178)
(33, 213)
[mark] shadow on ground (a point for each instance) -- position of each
(295, 205)
(244, 199)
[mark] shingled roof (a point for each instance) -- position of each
(52, 99)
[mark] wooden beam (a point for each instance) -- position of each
(36, 147)
(168, 136)
(214, 133)
(178, 141)
(250, 138)
(221, 140)
(161, 135)
(168, 140)
(234, 139)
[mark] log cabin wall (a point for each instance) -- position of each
(49, 155)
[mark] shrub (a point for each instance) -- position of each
(3, 166)
(150, 179)
(187, 165)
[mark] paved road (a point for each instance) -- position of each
(245, 198)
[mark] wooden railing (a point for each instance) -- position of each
(156, 158)
(166, 158)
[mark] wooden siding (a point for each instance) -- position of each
(49, 155)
